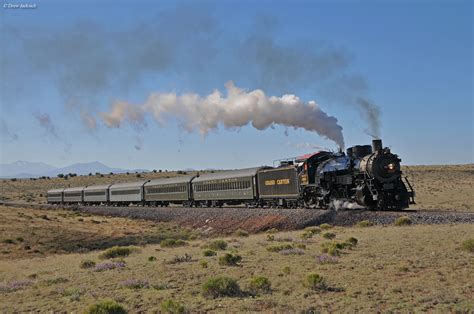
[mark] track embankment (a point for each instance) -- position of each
(229, 219)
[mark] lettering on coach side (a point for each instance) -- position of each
(283, 181)
(269, 182)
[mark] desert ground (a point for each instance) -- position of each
(53, 260)
(70, 260)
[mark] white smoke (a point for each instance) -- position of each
(234, 110)
(340, 204)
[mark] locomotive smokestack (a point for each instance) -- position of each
(376, 145)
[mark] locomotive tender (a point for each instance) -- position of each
(368, 176)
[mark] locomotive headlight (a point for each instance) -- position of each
(391, 167)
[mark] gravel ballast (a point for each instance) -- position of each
(228, 219)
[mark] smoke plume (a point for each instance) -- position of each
(45, 122)
(189, 47)
(234, 110)
(6, 132)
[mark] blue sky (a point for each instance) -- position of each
(411, 59)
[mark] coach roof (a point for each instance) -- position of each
(180, 179)
(75, 189)
(97, 187)
(128, 185)
(240, 173)
(56, 191)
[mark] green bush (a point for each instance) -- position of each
(230, 259)
(468, 245)
(172, 307)
(106, 307)
(241, 233)
(403, 221)
(332, 248)
(286, 270)
(270, 237)
(221, 287)
(315, 282)
(87, 264)
(209, 253)
(218, 245)
(309, 232)
(116, 251)
(329, 235)
(280, 247)
(325, 226)
(151, 258)
(260, 285)
(203, 264)
(351, 242)
(173, 243)
(364, 223)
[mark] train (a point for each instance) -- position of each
(365, 176)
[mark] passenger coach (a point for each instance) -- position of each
(127, 193)
(172, 190)
(226, 187)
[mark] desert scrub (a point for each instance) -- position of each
(106, 307)
(218, 245)
(151, 258)
(315, 282)
(329, 235)
(468, 245)
(260, 285)
(351, 242)
(332, 248)
(403, 221)
(209, 253)
(221, 287)
(270, 237)
(172, 307)
(364, 223)
(286, 270)
(325, 226)
(294, 251)
(241, 233)
(109, 266)
(135, 284)
(326, 259)
(87, 263)
(14, 285)
(116, 251)
(280, 247)
(203, 264)
(181, 259)
(309, 232)
(173, 243)
(230, 259)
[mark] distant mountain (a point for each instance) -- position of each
(25, 169)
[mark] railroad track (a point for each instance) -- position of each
(228, 219)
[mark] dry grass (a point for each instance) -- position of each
(34, 191)
(26, 232)
(437, 187)
(443, 187)
(407, 269)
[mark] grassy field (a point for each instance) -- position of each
(437, 187)
(408, 268)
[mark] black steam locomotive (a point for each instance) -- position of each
(365, 176)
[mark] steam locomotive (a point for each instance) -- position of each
(365, 176)
(369, 176)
